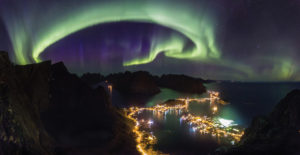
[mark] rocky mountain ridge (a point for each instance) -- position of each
(145, 84)
(44, 109)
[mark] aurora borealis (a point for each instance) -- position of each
(246, 40)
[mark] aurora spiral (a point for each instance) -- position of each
(34, 26)
(198, 31)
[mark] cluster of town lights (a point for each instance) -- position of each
(217, 127)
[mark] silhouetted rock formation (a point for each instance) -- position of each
(143, 83)
(92, 78)
(35, 81)
(182, 83)
(42, 98)
(277, 133)
(23, 93)
(81, 119)
(75, 107)
(287, 112)
(136, 83)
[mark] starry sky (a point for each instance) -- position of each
(242, 40)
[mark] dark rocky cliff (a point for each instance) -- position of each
(277, 133)
(82, 120)
(23, 93)
(44, 109)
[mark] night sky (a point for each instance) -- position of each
(247, 40)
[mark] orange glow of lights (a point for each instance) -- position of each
(201, 124)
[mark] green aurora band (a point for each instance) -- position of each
(187, 22)
(30, 38)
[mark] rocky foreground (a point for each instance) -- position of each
(46, 110)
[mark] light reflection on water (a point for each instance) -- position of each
(246, 101)
(179, 118)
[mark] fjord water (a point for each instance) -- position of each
(246, 100)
